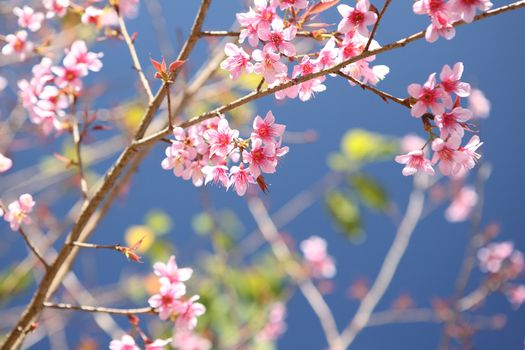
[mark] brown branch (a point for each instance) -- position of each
(376, 25)
(133, 54)
(33, 248)
(384, 95)
(101, 309)
(334, 69)
(225, 33)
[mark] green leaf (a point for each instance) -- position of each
(371, 193)
(345, 214)
(360, 145)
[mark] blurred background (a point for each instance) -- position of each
(353, 200)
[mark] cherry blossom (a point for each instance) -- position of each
(187, 313)
(218, 174)
(447, 154)
(261, 158)
(278, 39)
(237, 62)
(266, 129)
(221, 140)
(5, 163)
(450, 80)
(125, 343)
(478, 104)
(415, 161)
(167, 299)
(17, 44)
(79, 56)
(492, 256)
(170, 272)
(275, 325)
(268, 64)
(318, 262)
(469, 151)
(466, 9)
(184, 339)
(129, 8)
(297, 4)
(357, 18)
(240, 178)
(28, 18)
(462, 204)
(516, 295)
(428, 96)
(453, 122)
(18, 211)
(56, 7)
(92, 15)
(441, 18)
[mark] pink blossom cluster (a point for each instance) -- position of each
(317, 261)
(126, 342)
(171, 300)
(444, 13)
(47, 94)
(275, 325)
(272, 39)
(451, 121)
(213, 152)
(17, 212)
(504, 263)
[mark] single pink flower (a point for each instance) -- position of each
(328, 55)
(218, 174)
(78, 57)
(492, 256)
(470, 157)
(357, 18)
(187, 313)
(240, 178)
(69, 78)
(447, 154)
(318, 262)
(266, 129)
(278, 39)
(466, 9)
(56, 7)
(428, 96)
(28, 18)
(184, 339)
(268, 64)
(462, 204)
(453, 122)
(125, 343)
(415, 161)
(167, 300)
(221, 140)
(450, 80)
(237, 61)
(516, 295)
(261, 158)
(17, 44)
(170, 272)
(92, 15)
(478, 104)
(18, 211)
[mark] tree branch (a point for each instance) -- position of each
(33, 248)
(101, 309)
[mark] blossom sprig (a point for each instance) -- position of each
(214, 152)
(17, 212)
(317, 261)
(164, 72)
(272, 37)
(451, 121)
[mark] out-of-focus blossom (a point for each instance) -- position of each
(28, 18)
(492, 256)
(415, 161)
(318, 262)
(478, 104)
(18, 211)
(275, 325)
(186, 340)
(17, 44)
(124, 343)
(462, 204)
(5, 163)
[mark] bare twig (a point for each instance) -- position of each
(376, 25)
(390, 264)
(77, 139)
(33, 248)
(305, 284)
(101, 309)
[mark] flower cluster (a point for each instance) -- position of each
(47, 94)
(451, 121)
(317, 261)
(275, 325)
(208, 151)
(444, 13)
(271, 40)
(17, 212)
(504, 263)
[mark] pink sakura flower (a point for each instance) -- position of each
(450, 80)
(516, 295)
(466, 9)
(184, 339)
(428, 96)
(357, 18)
(194, 172)
(240, 178)
(275, 325)
(308, 88)
(266, 129)
(261, 158)
(470, 157)
(447, 154)
(411, 142)
(328, 55)
(462, 204)
(440, 17)
(56, 7)
(17, 211)
(415, 161)
(171, 273)
(362, 71)
(5, 163)
(158, 344)
(290, 92)
(353, 44)
(297, 4)
(78, 56)
(92, 15)
(249, 32)
(42, 72)
(167, 300)
(237, 61)
(492, 256)
(176, 160)
(278, 39)
(28, 18)
(184, 142)
(268, 64)
(262, 16)
(129, 8)
(52, 102)
(218, 174)
(69, 78)
(221, 140)
(319, 263)
(187, 313)
(453, 122)
(478, 104)
(125, 343)
(17, 44)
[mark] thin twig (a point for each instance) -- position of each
(390, 263)
(133, 54)
(101, 309)
(77, 139)
(376, 25)
(225, 33)
(305, 284)
(384, 95)
(33, 248)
